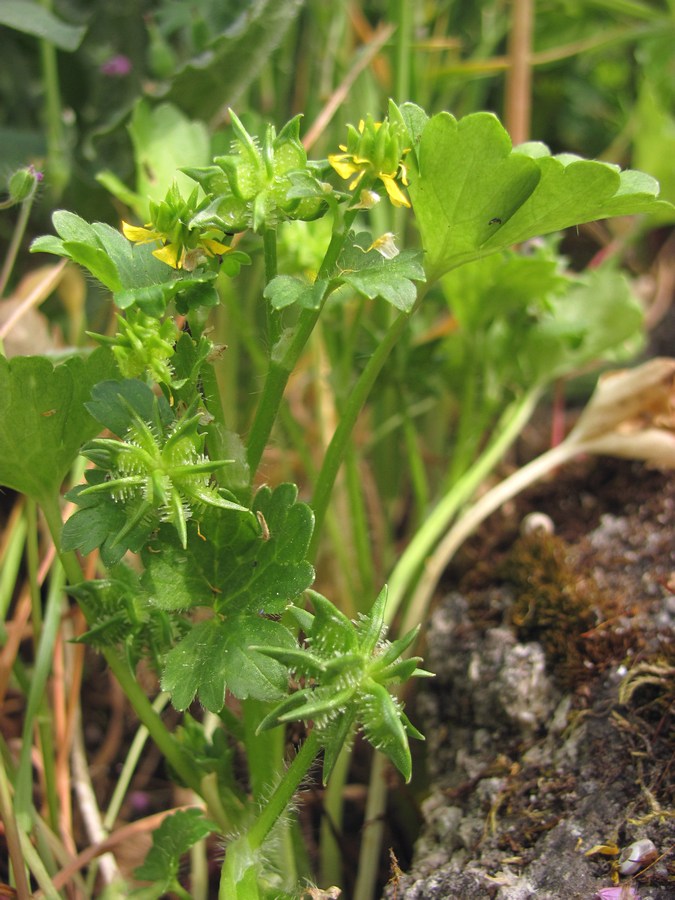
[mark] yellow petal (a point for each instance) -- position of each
(355, 183)
(343, 165)
(139, 235)
(170, 254)
(215, 248)
(367, 200)
(396, 195)
(385, 245)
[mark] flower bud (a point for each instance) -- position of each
(22, 184)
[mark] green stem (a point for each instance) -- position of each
(44, 719)
(130, 762)
(15, 243)
(172, 752)
(265, 760)
(239, 875)
(12, 836)
(373, 830)
(216, 432)
(23, 800)
(412, 560)
(418, 474)
(164, 740)
(57, 166)
(11, 560)
(350, 413)
(280, 799)
(467, 524)
(199, 871)
(38, 869)
(467, 427)
(270, 253)
(278, 374)
(331, 824)
(404, 15)
(359, 524)
(286, 353)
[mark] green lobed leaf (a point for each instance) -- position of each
(96, 260)
(103, 523)
(48, 243)
(122, 267)
(173, 838)
(371, 275)
(136, 266)
(79, 241)
(164, 139)
(37, 20)
(504, 285)
(599, 318)
(43, 419)
(230, 564)
(285, 290)
(188, 291)
(474, 194)
(119, 615)
(112, 404)
(216, 656)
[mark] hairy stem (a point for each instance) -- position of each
(284, 792)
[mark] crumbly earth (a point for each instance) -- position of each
(550, 724)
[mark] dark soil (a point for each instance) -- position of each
(551, 721)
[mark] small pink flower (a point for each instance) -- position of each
(620, 892)
(116, 66)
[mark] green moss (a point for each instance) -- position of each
(555, 604)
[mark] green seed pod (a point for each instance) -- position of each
(22, 184)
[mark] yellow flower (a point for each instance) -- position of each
(178, 253)
(396, 195)
(374, 151)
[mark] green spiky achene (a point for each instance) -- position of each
(347, 668)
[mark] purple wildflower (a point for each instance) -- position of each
(619, 892)
(117, 66)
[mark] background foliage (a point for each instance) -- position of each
(110, 99)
